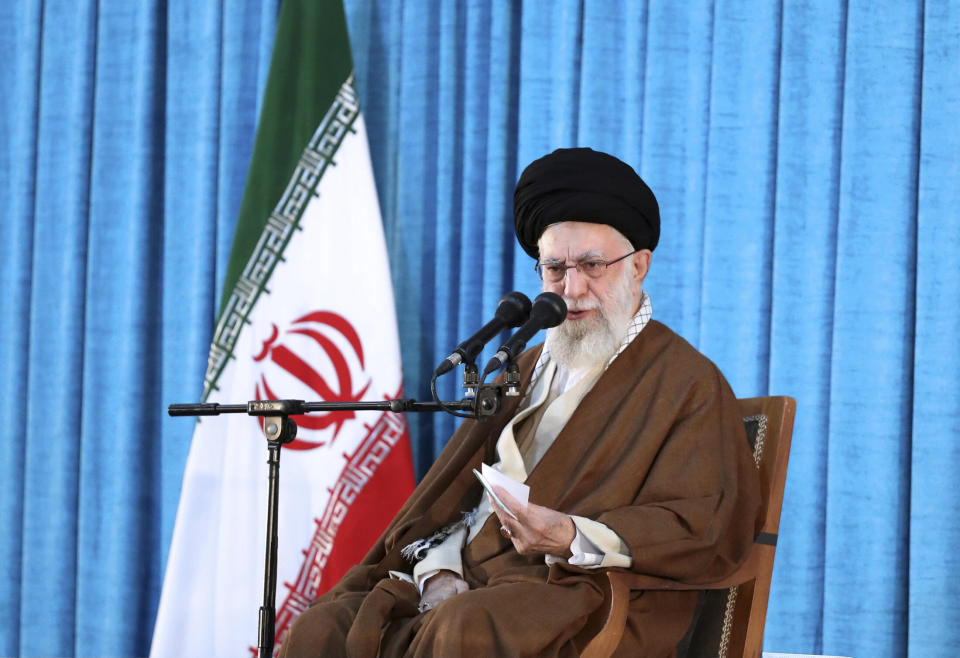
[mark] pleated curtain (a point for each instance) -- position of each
(806, 157)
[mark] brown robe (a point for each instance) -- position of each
(656, 451)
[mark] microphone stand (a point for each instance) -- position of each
(280, 429)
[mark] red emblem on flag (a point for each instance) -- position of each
(318, 357)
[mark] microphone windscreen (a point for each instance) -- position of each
(514, 309)
(550, 309)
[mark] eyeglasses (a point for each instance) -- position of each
(554, 271)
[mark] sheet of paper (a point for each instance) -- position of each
(518, 490)
(493, 494)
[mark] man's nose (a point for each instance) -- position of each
(574, 284)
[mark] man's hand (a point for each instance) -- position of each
(537, 529)
(440, 587)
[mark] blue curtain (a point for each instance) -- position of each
(127, 129)
(807, 161)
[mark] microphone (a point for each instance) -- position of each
(511, 311)
(549, 310)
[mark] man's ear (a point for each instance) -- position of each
(641, 264)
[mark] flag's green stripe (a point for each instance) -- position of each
(311, 59)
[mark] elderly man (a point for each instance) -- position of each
(629, 439)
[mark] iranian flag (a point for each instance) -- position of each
(307, 314)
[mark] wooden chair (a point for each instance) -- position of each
(732, 615)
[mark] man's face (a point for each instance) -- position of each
(567, 243)
(598, 308)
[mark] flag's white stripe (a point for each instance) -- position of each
(337, 263)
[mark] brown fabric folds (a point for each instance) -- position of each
(656, 451)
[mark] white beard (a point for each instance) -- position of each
(584, 344)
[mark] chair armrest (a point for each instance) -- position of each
(605, 642)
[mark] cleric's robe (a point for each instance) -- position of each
(656, 451)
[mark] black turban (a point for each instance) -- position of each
(584, 185)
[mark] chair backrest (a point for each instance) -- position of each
(730, 619)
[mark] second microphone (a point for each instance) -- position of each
(512, 311)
